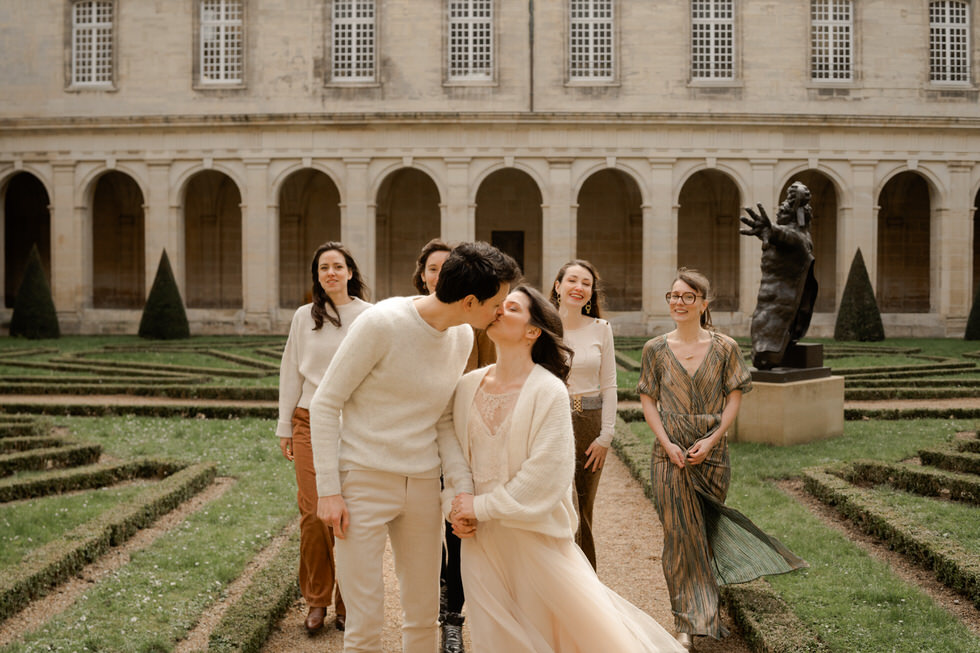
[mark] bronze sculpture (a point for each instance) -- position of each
(788, 289)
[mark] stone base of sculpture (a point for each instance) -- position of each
(795, 412)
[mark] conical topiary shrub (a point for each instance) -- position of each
(858, 317)
(164, 317)
(34, 315)
(973, 322)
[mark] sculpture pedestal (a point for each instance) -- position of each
(791, 413)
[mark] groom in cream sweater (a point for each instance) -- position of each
(378, 471)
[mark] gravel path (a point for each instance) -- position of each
(628, 543)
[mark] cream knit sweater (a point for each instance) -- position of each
(540, 457)
(306, 357)
(393, 377)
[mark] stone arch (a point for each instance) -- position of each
(509, 216)
(407, 216)
(904, 243)
(610, 235)
(118, 237)
(825, 202)
(309, 215)
(212, 241)
(707, 232)
(26, 222)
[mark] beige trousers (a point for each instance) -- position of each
(406, 510)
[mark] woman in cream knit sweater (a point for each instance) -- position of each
(529, 587)
(315, 333)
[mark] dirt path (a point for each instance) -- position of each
(628, 541)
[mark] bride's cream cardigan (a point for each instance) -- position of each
(540, 457)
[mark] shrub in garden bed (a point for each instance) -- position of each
(53, 563)
(915, 479)
(200, 411)
(247, 623)
(164, 317)
(29, 442)
(951, 458)
(66, 456)
(852, 413)
(768, 623)
(84, 478)
(858, 317)
(956, 568)
(34, 316)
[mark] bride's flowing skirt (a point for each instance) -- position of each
(528, 592)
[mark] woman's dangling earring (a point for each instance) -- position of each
(588, 306)
(558, 299)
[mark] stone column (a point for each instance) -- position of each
(858, 227)
(357, 228)
(67, 288)
(259, 248)
(559, 220)
(659, 238)
(763, 191)
(954, 243)
(458, 216)
(161, 231)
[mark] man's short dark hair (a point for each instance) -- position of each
(475, 269)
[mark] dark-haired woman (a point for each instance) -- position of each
(427, 268)
(591, 384)
(691, 386)
(314, 335)
(529, 588)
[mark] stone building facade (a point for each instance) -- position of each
(239, 134)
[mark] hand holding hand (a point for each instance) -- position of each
(463, 507)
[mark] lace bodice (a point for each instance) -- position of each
(487, 428)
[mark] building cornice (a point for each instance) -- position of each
(539, 119)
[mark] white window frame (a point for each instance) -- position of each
(470, 50)
(591, 41)
(354, 41)
(710, 26)
(949, 42)
(221, 43)
(92, 44)
(831, 41)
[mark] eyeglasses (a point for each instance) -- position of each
(682, 297)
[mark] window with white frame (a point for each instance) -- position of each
(470, 40)
(713, 39)
(590, 40)
(353, 41)
(222, 56)
(91, 43)
(831, 39)
(949, 41)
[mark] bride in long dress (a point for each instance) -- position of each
(529, 588)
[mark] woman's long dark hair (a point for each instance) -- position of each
(700, 283)
(595, 303)
(321, 300)
(548, 351)
(434, 245)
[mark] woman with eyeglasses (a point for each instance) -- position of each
(691, 386)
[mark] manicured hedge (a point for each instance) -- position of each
(769, 624)
(67, 456)
(924, 481)
(84, 478)
(163, 367)
(60, 559)
(955, 567)
(882, 394)
(952, 459)
(204, 411)
(26, 443)
(631, 414)
(243, 360)
(627, 362)
(910, 413)
(189, 391)
(887, 371)
(246, 624)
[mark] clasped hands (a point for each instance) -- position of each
(462, 516)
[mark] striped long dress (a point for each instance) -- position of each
(706, 543)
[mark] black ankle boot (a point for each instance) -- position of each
(452, 633)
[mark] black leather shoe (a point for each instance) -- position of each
(314, 619)
(341, 622)
(452, 633)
